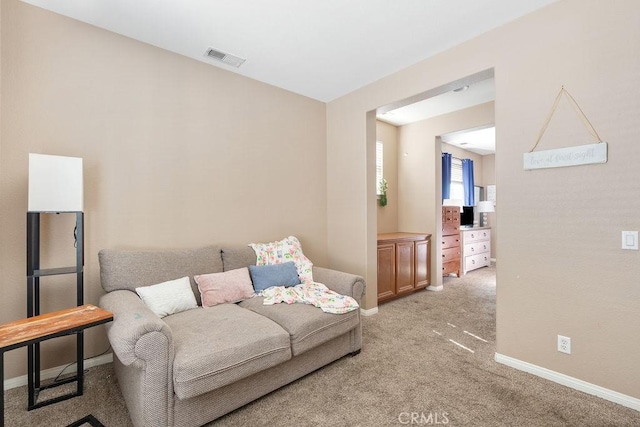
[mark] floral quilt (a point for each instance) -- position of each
(314, 293)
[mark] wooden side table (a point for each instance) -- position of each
(33, 330)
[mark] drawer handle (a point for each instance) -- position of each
(473, 249)
(473, 236)
(473, 261)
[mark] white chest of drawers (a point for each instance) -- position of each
(476, 248)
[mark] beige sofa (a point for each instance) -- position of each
(192, 367)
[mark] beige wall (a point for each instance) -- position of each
(561, 269)
(176, 153)
(420, 172)
(388, 215)
(488, 171)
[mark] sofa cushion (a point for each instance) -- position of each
(237, 257)
(216, 346)
(308, 326)
(125, 269)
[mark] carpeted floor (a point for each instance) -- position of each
(427, 359)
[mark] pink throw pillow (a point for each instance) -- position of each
(226, 287)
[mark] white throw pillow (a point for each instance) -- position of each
(169, 297)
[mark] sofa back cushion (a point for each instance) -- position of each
(239, 256)
(127, 269)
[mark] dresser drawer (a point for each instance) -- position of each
(450, 228)
(451, 254)
(450, 214)
(476, 261)
(477, 248)
(451, 267)
(476, 235)
(450, 241)
(451, 218)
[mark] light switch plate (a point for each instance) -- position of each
(630, 240)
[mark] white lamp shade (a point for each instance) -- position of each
(486, 206)
(55, 183)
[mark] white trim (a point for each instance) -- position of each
(369, 312)
(53, 372)
(435, 288)
(596, 390)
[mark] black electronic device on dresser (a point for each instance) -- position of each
(466, 216)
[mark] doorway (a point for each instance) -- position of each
(418, 181)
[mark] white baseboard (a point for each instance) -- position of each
(53, 372)
(369, 312)
(435, 288)
(605, 393)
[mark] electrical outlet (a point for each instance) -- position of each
(564, 344)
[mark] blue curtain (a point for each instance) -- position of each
(446, 176)
(467, 182)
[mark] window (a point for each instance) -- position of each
(457, 189)
(380, 165)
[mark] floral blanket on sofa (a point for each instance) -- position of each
(314, 293)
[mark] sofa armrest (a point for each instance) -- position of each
(340, 282)
(137, 335)
(143, 344)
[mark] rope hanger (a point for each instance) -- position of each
(583, 116)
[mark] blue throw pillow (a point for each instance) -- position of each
(266, 276)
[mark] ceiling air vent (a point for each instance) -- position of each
(227, 58)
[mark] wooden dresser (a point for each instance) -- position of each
(476, 248)
(403, 264)
(451, 251)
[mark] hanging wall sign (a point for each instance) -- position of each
(569, 156)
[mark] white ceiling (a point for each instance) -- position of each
(479, 141)
(469, 96)
(322, 49)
